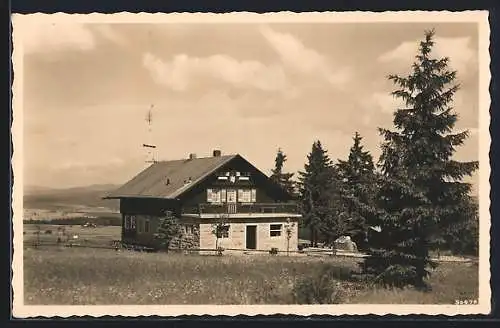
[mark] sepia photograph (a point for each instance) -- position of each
(243, 163)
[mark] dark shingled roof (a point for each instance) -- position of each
(152, 182)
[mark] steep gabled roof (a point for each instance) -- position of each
(152, 182)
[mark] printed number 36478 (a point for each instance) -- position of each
(466, 302)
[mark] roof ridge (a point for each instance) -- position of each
(151, 180)
(191, 159)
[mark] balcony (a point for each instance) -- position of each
(242, 210)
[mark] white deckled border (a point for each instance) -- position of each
(480, 17)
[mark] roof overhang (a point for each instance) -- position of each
(134, 196)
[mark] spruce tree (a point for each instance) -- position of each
(421, 193)
(283, 179)
(336, 220)
(168, 230)
(356, 175)
(315, 190)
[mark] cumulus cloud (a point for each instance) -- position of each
(384, 102)
(110, 34)
(183, 70)
(46, 36)
(459, 50)
(294, 54)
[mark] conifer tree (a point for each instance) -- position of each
(168, 230)
(356, 175)
(422, 192)
(283, 179)
(315, 190)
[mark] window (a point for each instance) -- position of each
(133, 222)
(147, 225)
(213, 195)
(245, 195)
(139, 224)
(231, 196)
(129, 222)
(253, 196)
(223, 195)
(189, 229)
(275, 230)
(223, 231)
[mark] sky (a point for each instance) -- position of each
(242, 88)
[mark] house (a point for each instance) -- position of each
(201, 191)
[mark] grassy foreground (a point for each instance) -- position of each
(93, 276)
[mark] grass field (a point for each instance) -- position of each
(60, 275)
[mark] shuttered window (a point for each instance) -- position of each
(253, 196)
(244, 195)
(213, 195)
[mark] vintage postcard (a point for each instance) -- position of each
(242, 163)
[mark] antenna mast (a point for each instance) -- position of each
(151, 158)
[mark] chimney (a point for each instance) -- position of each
(217, 153)
(192, 156)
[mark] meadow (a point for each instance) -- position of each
(76, 276)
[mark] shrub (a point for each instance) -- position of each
(48, 232)
(273, 251)
(322, 287)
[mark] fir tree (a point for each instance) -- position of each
(357, 182)
(283, 179)
(422, 192)
(315, 190)
(169, 229)
(335, 220)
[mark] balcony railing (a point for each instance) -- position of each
(234, 208)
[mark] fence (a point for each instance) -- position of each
(118, 245)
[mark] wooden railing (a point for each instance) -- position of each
(233, 208)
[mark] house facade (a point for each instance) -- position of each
(202, 192)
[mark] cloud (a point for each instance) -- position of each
(43, 36)
(296, 55)
(384, 102)
(183, 71)
(459, 50)
(108, 33)
(46, 36)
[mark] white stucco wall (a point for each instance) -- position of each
(237, 235)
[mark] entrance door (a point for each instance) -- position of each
(251, 237)
(231, 201)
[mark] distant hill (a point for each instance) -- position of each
(70, 198)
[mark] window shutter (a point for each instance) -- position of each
(254, 195)
(223, 195)
(209, 195)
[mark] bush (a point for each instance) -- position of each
(48, 232)
(273, 251)
(322, 287)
